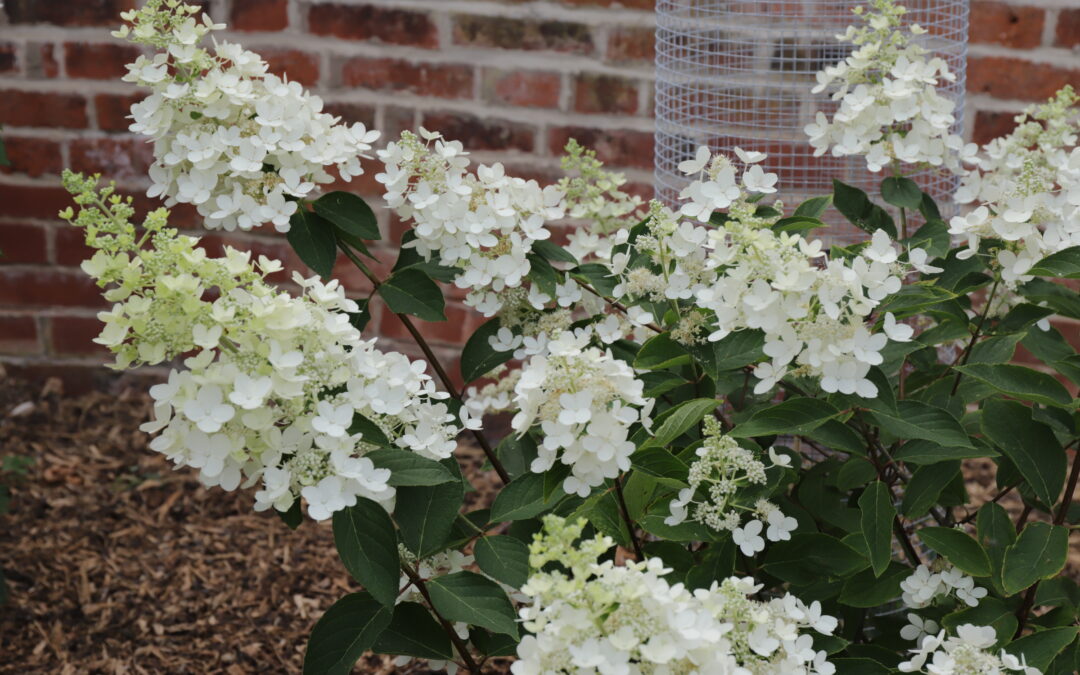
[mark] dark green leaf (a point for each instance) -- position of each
(426, 515)
(504, 559)
(876, 518)
(478, 357)
(996, 533)
(367, 543)
(1063, 264)
(597, 276)
(927, 452)
(553, 252)
(1018, 381)
(293, 517)
(990, 612)
(807, 556)
(867, 590)
(795, 416)
(838, 436)
(410, 469)
(347, 630)
(349, 213)
(856, 206)
(410, 291)
(797, 225)
(814, 207)
(914, 298)
(902, 192)
(1030, 445)
(676, 421)
(473, 599)
(959, 548)
(736, 350)
(1040, 648)
(369, 431)
(414, 632)
(1038, 553)
(925, 486)
(312, 237)
(521, 499)
(660, 351)
(859, 666)
(914, 419)
(660, 463)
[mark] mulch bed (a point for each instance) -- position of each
(117, 564)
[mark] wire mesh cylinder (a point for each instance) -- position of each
(739, 73)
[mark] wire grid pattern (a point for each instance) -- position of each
(739, 73)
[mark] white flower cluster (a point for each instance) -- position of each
(814, 311)
(889, 110)
(603, 618)
(483, 223)
(924, 586)
(586, 400)
(274, 383)
(722, 469)
(236, 142)
(1026, 190)
(966, 653)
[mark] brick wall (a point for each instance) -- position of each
(512, 79)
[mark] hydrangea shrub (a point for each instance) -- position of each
(732, 449)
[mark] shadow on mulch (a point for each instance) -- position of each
(115, 563)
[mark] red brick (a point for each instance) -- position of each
(1068, 28)
(265, 15)
(81, 13)
(69, 246)
(368, 22)
(461, 322)
(9, 62)
(497, 31)
(990, 124)
(477, 133)
(397, 75)
(1009, 25)
(42, 61)
(32, 156)
(45, 287)
(632, 45)
(524, 88)
(100, 61)
(627, 4)
(18, 335)
(396, 120)
(301, 67)
(74, 335)
(123, 160)
(351, 113)
(22, 244)
(617, 147)
(42, 109)
(605, 94)
(26, 201)
(1010, 78)
(113, 110)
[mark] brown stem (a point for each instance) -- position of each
(625, 513)
(995, 500)
(434, 361)
(975, 336)
(1023, 518)
(905, 542)
(463, 649)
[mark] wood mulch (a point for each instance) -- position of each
(115, 563)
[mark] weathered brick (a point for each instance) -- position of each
(424, 79)
(631, 45)
(98, 61)
(627, 4)
(605, 94)
(33, 201)
(351, 113)
(18, 335)
(478, 133)
(369, 22)
(302, 67)
(1067, 33)
(1010, 78)
(461, 322)
(260, 15)
(69, 246)
(74, 336)
(531, 89)
(991, 124)
(42, 109)
(32, 156)
(113, 110)
(45, 287)
(123, 160)
(505, 33)
(617, 147)
(81, 13)
(22, 244)
(1004, 24)
(9, 61)
(397, 119)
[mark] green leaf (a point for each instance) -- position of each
(597, 276)
(813, 207)
(425, 515)
(902, 192)
(312, 237)
(1030, 445)
(414, 632)
(493, 644)
(347, 630)
(797, 225)
(349, 213)
(859, 666)
(660, 463)
(293, 517)
(736, 350)
(925, 486)
(1018, 381)
(990, 612)
(856, 206)
(516, 453)
(959, 548)
(521, 499)
(914, 298)
(795, 416)
(1038, 553)
(410, 291)
(927, 452)
(1040, 648)
(876, 514)
(867, 590)
(473, 599)
(676, 421)
(369, 431)
(367, 543)
(807, 556)
(1063, 264)
(839, 436)
(996, 533)
(410, 469)
(504, 559)
(553, 252)
(660, 351)
(478, 358)
(915, 419)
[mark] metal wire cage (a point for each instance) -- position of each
(739, 73)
